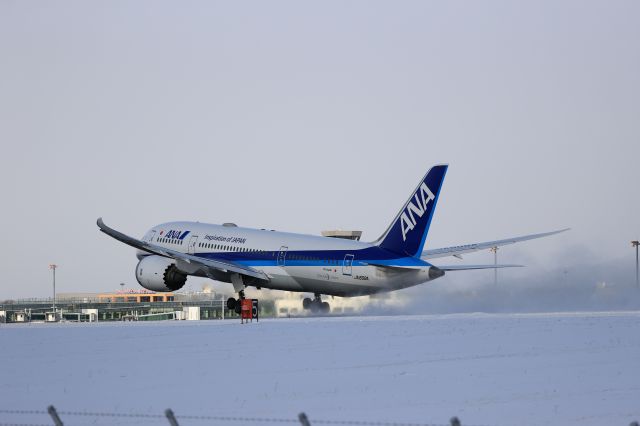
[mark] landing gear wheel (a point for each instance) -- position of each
(237, 308)
(231, 303)
(316, 305)
(306, 303)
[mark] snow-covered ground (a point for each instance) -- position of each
(581, 369)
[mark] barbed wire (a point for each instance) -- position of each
(24, 412)
(239, 419)
(368, 423)
(106, 414)
(22, 424)
(314, 421)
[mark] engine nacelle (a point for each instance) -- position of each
(157, 273)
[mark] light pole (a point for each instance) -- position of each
(635, 244)
(122, 287)
(495, 263)
(53, 267)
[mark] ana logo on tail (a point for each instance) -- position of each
(407, 233)
(422, 197)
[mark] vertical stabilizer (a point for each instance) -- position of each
(408, 231)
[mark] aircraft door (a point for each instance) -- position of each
(192, 244)
(347, 264)
(282, 255)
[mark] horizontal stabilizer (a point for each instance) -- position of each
(407, 267)
(471, 267)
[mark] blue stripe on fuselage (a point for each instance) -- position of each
(316, 258)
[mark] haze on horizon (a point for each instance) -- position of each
(310, 116)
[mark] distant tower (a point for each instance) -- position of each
(53, 267)
(495, 263)
(635, 244)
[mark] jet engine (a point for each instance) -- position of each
(157, 273)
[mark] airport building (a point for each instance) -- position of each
(131, 305)
(135, 297)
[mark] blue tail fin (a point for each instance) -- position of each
(408, 231)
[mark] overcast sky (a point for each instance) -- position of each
(304, 116)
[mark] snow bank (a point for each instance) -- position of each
(487, 369)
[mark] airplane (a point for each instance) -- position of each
(170, 252)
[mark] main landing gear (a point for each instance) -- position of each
(316, 305)
(233, 304)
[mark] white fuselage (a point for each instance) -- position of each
(295, 262)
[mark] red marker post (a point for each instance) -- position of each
(248, 310)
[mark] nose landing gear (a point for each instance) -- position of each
(316, 305)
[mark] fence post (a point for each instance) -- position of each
(304, 420)
(455, 421)
(54, 415)
(170, 416)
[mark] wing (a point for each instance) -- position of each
(469, 248)
(199, 262)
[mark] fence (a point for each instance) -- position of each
(169, 417)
